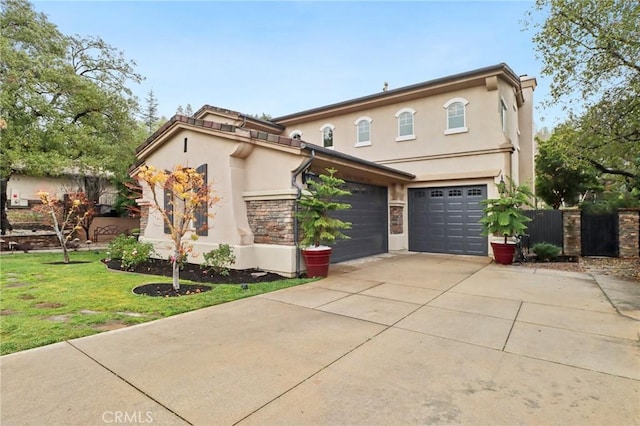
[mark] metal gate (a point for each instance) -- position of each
(599, 234)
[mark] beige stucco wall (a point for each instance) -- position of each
(235, 173)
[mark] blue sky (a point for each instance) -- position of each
(283, 57)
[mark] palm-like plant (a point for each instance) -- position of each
(503, 216)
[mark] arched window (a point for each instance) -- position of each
(456, 116)
(363, 132)
(405, 124)
(327, 135)
(296, 134)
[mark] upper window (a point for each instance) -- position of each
(363, 137)
(405, 124)
(296, 134)
(327, 135)
(503, 115)
(456, 116)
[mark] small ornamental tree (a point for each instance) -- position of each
(179, 196)
(315, 205)
(64, 220)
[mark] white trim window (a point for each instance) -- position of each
(405, 124)
(503, 115)
(363, 131)
(296, 134)
(456, 116)
(327, 135)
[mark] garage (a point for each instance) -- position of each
(368, 216)
(446, 220)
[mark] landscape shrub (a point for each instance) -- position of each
(129, 251)
(546, 251)
(219, 260)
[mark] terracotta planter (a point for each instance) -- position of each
(503, 253)
(317, 261)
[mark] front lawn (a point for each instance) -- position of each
(43, 303)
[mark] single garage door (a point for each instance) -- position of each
(368, 216)
(446, 220)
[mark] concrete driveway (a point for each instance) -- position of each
(405, 339)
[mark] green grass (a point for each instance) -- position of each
(75, 300)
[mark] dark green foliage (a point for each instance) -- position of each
(560, 179)
(318, 227)
(591, 55)
(219, 260)
(546, 251)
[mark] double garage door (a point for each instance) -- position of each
(368, 216)
(446, 220)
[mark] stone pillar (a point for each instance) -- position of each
(271, 221)
(396, 219)
(572, 241)
(628, 232)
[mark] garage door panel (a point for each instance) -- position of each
(447, 220)
(368, 216)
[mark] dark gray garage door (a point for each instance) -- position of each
(368, 215)
(446, 220)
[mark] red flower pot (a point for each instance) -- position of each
(503, 253)
(317, 261)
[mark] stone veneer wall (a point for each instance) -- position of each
(396, 219)
(271, 221)
(629, 232)
(571, 224)
(144, 218)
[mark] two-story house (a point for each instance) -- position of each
(418, 159)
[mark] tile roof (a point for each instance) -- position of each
(207, 124)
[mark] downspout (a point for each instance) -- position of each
(294, 182)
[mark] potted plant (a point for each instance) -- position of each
(503, 217)
(319, 229)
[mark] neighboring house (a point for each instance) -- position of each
(418, 160)
(22, 190)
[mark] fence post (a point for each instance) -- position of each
(571, 224)
(629, 230)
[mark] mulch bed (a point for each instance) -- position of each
(167, 290)
(193, 272)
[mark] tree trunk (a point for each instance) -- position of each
(176, 271)
(5, 225)
(65, 252)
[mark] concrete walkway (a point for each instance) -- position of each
(406, 339)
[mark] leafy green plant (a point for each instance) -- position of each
(503, 216)
(219, 260)
(129, 250)
(546, 251)
(318, 227)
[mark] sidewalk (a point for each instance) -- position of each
(407, 339)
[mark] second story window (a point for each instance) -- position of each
(405, 124)
(296, 134)
(363, 134)
(327, 135)
(503, 115)
(456, 116)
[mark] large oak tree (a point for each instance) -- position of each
(65, 104)
(591, 51)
